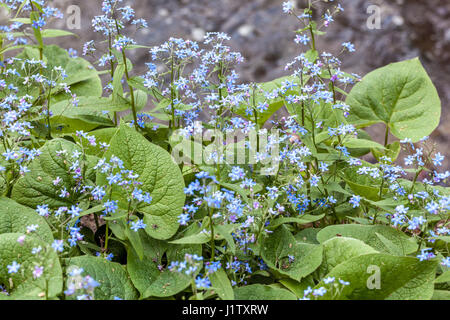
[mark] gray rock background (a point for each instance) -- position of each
(263, 34)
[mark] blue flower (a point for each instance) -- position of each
(139, 224)
(437, 160)
(426, 255)
(14, 267)
(349, 46)
(303, 39)
(355, 201)
(43, 210)
(183, 219)
(74, 211)
(328, 280)
(202, 283)
(58, 245)
(319, 292)
(446, 262)
(288, 6)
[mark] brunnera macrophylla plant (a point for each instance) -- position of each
(185, 183)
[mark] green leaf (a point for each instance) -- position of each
(160, 176)
(362, 185)
(102, 135)
(36, 187)
(392, 151)
(401, 278)
(308, 235)
(296, 287)
(199, 238)
(84, 117)
(81, 75)
(135, 241)
(340, 249)
(362, 143)
(113, 278)
(15, 218)
(225, 232)
(148, 278)
(368, 234)
(277, 248)
(117, 82)
(54, 33)
(441, 295)
(262, 292)
(34, 16)
(306, 219)
(222, 285)
(391, 247)
(443, 278)
(401, 95)
(22, 285)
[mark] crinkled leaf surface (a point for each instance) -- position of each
(368, 234)
(15, 218)
(160, 176)
(340, 249)
(24, 285)
(36, 187)
(222, 284)
(401, 95)
(113, 278)
(277, 248)
(401, 278)
(148, 278)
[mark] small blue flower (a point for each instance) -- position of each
(13, 268)
(355, 201)
(139, 224)
(183, 219)
(58, 245)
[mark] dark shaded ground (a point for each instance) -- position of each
(261, 32)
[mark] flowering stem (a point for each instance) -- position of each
(112, 71)
(172, 93)
(107, 236)
(49, 127)
(127, 75)
(213, 245)
(415, 180)
(133, 105)
(386, 138)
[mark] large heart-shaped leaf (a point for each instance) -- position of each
(280, 247)
(112, 277)
(146, 275)
(160, 176)
(22, 284)
(400, 278)
(401, 95)
(340, 249)
(36, 187)
(368, 234)
(15, 218)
